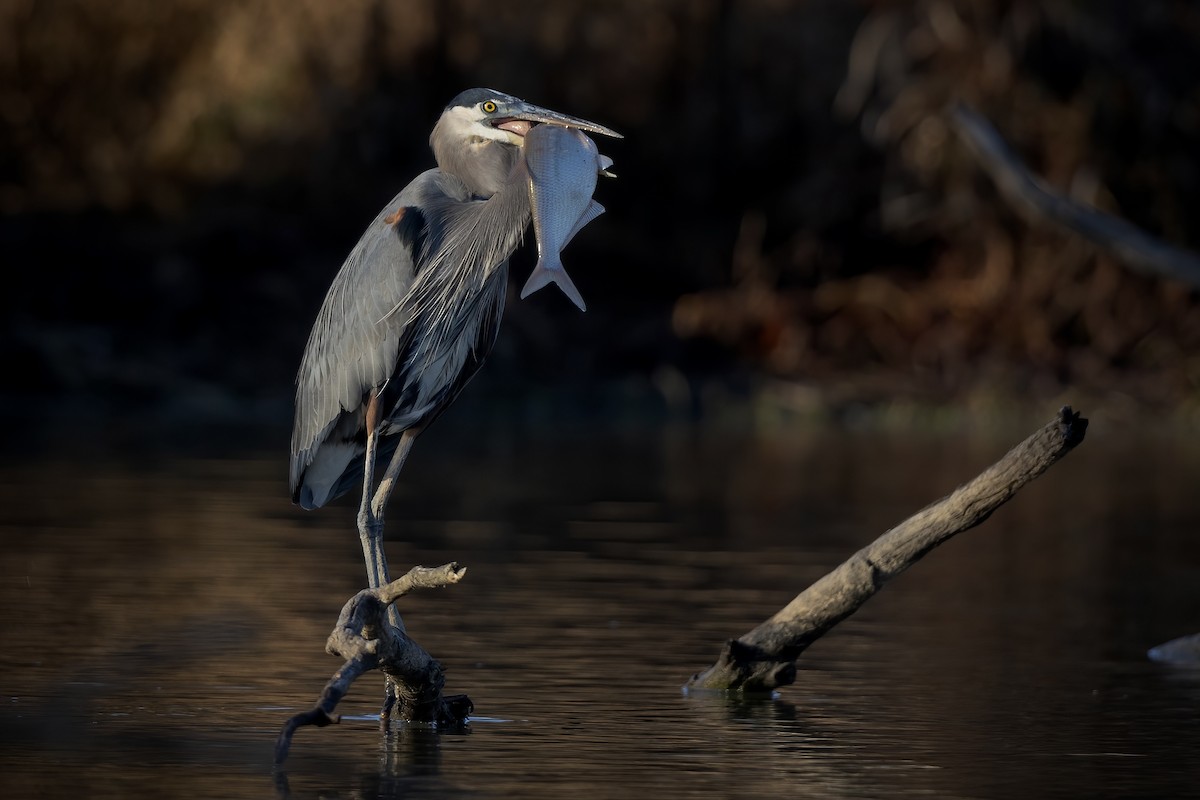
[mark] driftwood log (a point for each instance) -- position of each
(367, 641)
(764, 658)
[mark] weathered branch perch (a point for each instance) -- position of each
(1030, 196)
(764, 658)
(365, 639)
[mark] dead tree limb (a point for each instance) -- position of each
(764, 658)
(1037, 202)
(367, 641)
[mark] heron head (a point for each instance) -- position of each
(488, 115)
(478, 134)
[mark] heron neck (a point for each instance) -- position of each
(482, 164)
(506, 214)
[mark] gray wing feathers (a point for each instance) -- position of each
(387, 296)
(354, 342)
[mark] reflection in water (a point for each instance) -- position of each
(408, 761)
(163, 618)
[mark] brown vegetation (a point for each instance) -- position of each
(793, 197)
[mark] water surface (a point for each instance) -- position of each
(163, 612)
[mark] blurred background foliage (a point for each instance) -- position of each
(795, 221)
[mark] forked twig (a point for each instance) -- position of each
(365, 639)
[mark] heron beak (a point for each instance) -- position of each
(519, 117)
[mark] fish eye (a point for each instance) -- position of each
(488, 107)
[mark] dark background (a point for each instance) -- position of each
(795, 223)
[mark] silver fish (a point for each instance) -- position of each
(563, 164)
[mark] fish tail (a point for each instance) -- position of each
(542, 276)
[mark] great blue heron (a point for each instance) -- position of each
(414, 310)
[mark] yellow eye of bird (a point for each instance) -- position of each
(488, 106)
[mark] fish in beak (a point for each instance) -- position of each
(562, 163)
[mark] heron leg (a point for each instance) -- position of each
(374, 498)
(388, 482)
(375, 510)
(370, 529)
(370, 532)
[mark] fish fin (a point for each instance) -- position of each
(593, 210)
(605, 165)
(542, 276)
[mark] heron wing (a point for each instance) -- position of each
(355, 342)
(411, 402)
